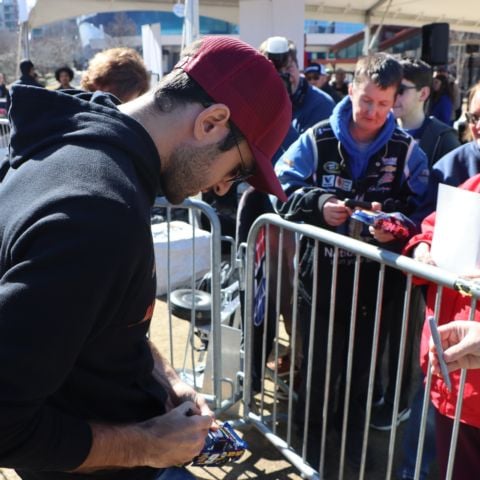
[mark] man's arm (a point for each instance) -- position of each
(164, 441)
(178, 391)
(295, 170)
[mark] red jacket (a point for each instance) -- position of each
(454, 307)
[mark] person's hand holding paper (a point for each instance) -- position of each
(456, 239)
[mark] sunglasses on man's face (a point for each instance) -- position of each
(403, 88)
(312, 77)
(472, 118)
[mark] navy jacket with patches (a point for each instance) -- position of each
(325, 161)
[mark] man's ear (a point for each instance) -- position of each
(350, 89)
(424, 93)
(211, 123)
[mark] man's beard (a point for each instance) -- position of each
(188, 171)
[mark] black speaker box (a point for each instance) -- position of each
(472, 48)
(435, 43)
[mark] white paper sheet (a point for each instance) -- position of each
(456, 239)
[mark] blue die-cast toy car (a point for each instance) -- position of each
(221, 446)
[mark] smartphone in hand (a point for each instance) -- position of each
(438, 346)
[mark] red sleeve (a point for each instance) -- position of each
(428, 224)
(425, 236)
(472, 184)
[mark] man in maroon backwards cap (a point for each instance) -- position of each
(83, 393)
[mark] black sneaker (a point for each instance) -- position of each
(381, 418)
(353, 453)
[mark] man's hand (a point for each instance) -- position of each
(176, 437)
(182, 392)
(461, 344)
(335, 212)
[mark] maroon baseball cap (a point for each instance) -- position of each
(234, 73)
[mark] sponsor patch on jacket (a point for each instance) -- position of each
(389, 161)
(344, 184)
(328, 181)
(386, 178)
(331, 167)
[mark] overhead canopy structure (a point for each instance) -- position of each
(463, 15)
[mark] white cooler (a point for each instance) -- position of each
(182, 267)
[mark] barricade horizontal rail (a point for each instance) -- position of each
(184, 253)
(345, 296)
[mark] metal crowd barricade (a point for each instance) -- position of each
(273, 418)
(217, 378)
(4, 133)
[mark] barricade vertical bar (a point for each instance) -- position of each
(248, 321)
(169, 286)
(373, 364)
(294, 334)
(266, 318)
(310, 350)
(426, 399)
(328, 372)
(458, 409)
(216, 260)
(193, 312)
(351, 339)
(398, 383)
(277, 323)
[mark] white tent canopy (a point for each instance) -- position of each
(463, 15)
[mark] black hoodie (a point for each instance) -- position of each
(77, 280)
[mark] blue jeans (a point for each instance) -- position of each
(410, 439)
(176, 473)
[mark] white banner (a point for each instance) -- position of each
(24, 7)
(152, 50)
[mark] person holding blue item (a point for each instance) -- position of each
(358, 153)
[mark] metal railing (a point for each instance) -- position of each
(221, 391)
(273, 418)
(4, 133)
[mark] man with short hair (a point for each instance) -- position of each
(435, 138)
(28, 75)
(310, 105)
(359, 153)
(339, 84)
(83, 393)
(316, 75)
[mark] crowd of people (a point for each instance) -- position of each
(77, 286)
